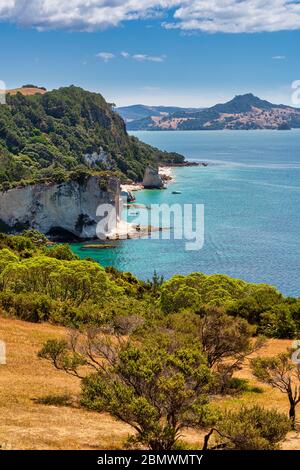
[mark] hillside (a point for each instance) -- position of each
(49, 136)
(141, 111)
(242, 112)
(126, 327)
(24, 394)
(27, 90)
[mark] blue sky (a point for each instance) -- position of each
(161, 53)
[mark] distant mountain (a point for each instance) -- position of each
(242, 112)
(141, 111)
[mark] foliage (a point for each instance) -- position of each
(157, 386)
(226, 342)
(82, 292)
(37, 238)
(31, 308)
(222, 336)
(251, 428)
(259, 304)
(62, 252)
(46, 137)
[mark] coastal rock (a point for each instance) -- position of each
(128, 195)
(60, 210)
(152, 179)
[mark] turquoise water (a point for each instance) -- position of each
(251, 193)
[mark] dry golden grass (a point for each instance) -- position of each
(24, 91)
(25, 424)
(28, 425)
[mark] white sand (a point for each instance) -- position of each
(167, 171)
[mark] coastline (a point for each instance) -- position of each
(126, 230)
(165, 172)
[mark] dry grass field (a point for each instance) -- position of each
(27, 424)
(28, 91)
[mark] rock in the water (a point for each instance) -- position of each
(58, 209)
(152, 180)
(128, 195)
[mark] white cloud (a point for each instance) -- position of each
(84, 15)
(236, 16)
(106, 56)
(229, 16)
(149, 58)
(144, 57)
(278, 57)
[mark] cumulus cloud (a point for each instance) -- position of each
(278, 57)
(236, 16)
(106, 56)
(228, 16)
(84, 15)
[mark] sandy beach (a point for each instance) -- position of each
(167, 173)
(125, 230)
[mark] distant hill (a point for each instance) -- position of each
(141, 111)
(242, 112)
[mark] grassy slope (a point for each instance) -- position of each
(28, 91)
(26, 424)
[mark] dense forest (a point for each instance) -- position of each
(46, 137)
(156, 354)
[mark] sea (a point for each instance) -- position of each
(250, 194)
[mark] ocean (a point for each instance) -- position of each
(251, 196)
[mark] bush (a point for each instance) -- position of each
(27, 307)
(252, 429)
(278, 323)
(62, 252)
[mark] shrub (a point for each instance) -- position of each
(25, 306)
(252, 429)
(62, 252)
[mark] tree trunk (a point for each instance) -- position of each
(206, 439)
(292, 413)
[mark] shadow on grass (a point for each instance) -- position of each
(56, 400)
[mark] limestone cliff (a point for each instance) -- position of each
(62, 210)
(152, 179)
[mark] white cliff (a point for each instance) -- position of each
(53, 208)
(152, 179)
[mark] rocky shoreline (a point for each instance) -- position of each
(188, 164)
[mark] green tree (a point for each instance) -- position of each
(224, 337)
(157, 386)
